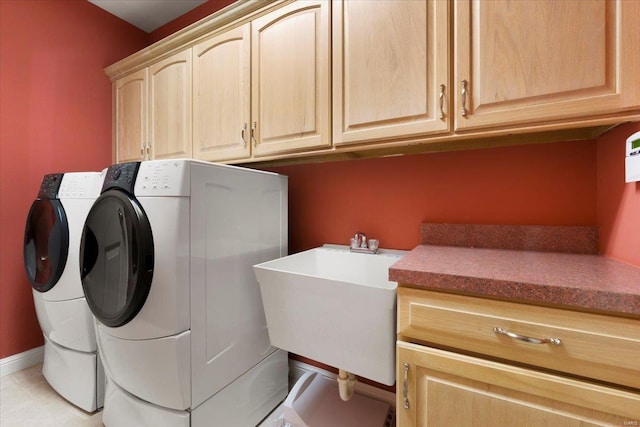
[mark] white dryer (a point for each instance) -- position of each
(51, 250)
(166, 263)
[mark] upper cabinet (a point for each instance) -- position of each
(390, 69)
(523, 62)
(130, 116)
(170, 107)
(152, 111)
(263, 88)
(267, 80)
(290, 94)
(221, 96)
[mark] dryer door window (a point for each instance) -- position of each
(116, 258)
(46, 243)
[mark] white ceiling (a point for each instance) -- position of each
(148, 14)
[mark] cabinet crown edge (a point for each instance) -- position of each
(184, 38)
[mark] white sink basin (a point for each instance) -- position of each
(335, 307)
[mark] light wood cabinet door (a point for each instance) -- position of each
(441, 389)
(390, 69)
(527, 62)
(130, 121)
(221, 96)
(170, 107)
(290, 78)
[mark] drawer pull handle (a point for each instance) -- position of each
(501, 331)
(464, 98)
(441, 102)
(254, 125)
(242, 132)
(405, 387)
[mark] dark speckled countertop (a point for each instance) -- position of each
(543, 276)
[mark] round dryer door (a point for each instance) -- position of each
(116, 258)
(46, 243)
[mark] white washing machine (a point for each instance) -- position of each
(51, 250)
(166, 263)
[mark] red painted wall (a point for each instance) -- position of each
(388, 198)
(55, 115)
(618, 203)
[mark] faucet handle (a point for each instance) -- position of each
(359, 240)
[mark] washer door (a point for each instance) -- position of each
(116, 258)
(46, 243)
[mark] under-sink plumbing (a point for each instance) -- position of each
(360, 244)
(346, 384)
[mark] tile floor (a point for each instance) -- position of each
(27, 400)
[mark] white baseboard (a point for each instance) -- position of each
(298, 369)
(20, 361)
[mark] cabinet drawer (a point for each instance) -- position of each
(591, 345)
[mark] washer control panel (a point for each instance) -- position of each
(122, 176)
(163, 178)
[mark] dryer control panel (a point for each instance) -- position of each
(80, 185)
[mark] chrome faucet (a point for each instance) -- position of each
(360, 244)
(360, 240)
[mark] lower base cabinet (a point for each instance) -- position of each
(437, 388)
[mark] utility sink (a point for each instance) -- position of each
(335, 307)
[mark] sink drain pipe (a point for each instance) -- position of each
(346, 384)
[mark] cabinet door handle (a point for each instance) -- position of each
(142, 152)
(502, 331)
(442, 87)
(148, 151)
(254, 125)
(464, 98)
(244, 140)
(405, 387)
